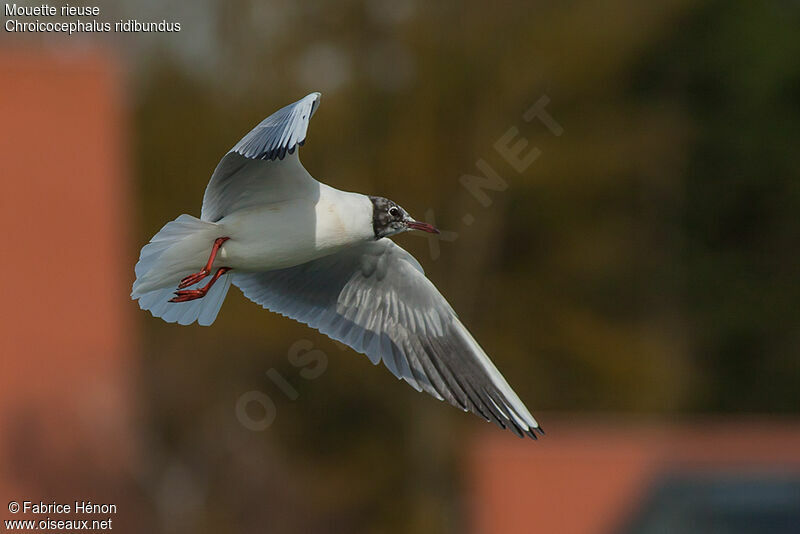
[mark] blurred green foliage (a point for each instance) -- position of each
(647, 261)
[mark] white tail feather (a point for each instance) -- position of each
(180, 248)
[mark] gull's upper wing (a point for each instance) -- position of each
(376, 299)
(257, 169)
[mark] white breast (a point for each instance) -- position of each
(284, 234)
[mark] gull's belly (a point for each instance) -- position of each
(281, 235)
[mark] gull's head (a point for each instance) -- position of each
(389, 219)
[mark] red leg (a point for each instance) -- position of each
(196, 277)
(193, 294)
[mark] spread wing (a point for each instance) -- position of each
(263, 167)
(376, 299)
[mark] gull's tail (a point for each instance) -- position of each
(180, 248)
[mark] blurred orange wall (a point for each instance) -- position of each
(587, 476)
(65, 320)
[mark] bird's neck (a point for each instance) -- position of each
(343, 218)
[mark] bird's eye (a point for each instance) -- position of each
(394, 212)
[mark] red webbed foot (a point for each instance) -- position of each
(192, 279)
(194, 294)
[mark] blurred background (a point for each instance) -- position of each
(636, 281)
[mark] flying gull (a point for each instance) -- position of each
(323, 257)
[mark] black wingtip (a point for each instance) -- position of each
(531, 434)
(518, 431)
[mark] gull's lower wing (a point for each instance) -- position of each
(376, 299)
(257, 170)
